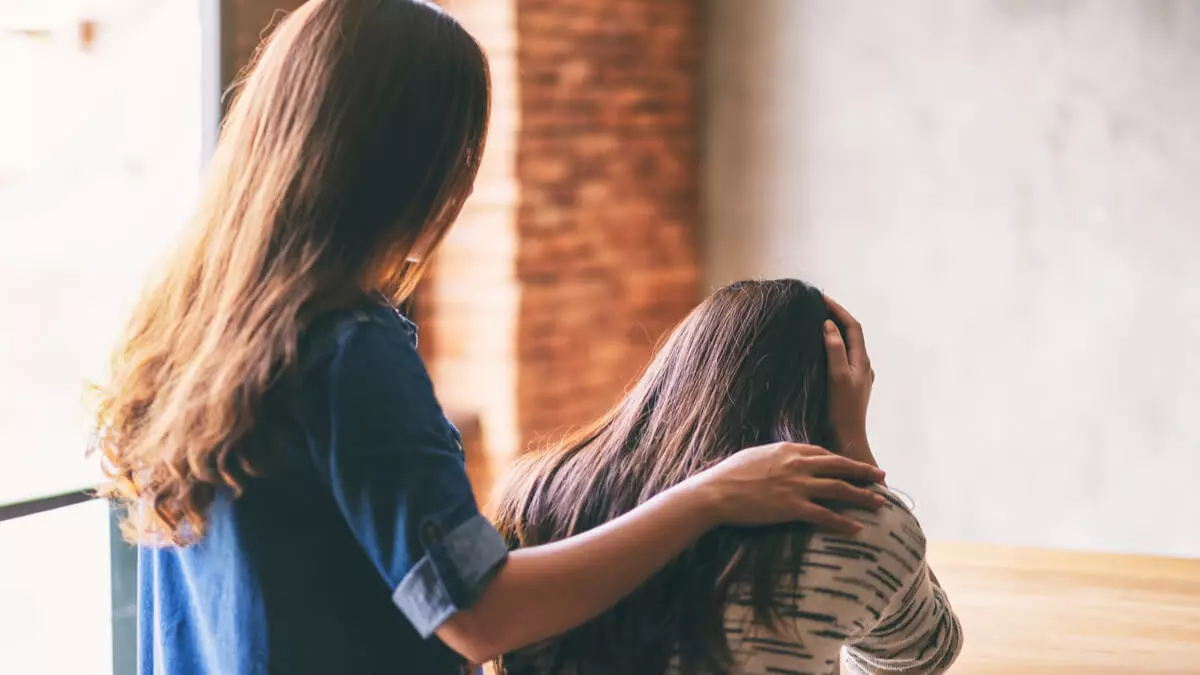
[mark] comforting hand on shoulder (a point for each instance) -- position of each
(779, 482)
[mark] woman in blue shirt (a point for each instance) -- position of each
(298, 496)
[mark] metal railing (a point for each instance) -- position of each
(31, 507)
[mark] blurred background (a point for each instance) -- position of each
(1003, 191)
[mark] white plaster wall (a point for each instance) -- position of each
(1007, 193)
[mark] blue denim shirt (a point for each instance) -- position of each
(358, 540)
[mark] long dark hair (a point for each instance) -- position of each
(353, 141)
(746, 367)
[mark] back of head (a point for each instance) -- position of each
(746, 367)
(352, 142)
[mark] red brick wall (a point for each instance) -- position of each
(606, 164)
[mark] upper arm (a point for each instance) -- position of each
(395, 469)
(910, 627)
(844, 586)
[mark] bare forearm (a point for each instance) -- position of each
(545, 590)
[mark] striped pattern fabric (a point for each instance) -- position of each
(865, 604)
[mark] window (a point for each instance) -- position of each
(106, 110)
(101, 137)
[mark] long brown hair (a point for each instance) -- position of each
(746, 367)
(353, 142)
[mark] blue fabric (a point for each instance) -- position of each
(360, 537)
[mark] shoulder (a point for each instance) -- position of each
(894, 528)
(371, 340)
(885, 554)
(841, 584)
(365, 361)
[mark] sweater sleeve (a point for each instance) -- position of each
(917, 632)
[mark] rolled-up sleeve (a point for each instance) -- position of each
(395, 467)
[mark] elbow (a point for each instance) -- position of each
(480, 653)
(951, 644)
(477, 653)
(954, 648)
(474, 641)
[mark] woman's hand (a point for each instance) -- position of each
(850, 380)
(779, 483)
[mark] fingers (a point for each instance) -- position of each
(841, 491)
(856, 346)
(836, 466)
(825, 519)
(813, 460)
(839, 362)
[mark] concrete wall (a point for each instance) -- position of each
(1007, 193)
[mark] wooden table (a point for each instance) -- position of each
(1033, 612)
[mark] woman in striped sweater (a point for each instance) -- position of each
(757, 362)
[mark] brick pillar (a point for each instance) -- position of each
(577, 251)
(468, 303)
(607, 166)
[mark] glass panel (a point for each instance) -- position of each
(100, 146)
(55, 592)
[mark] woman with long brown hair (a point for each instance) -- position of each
(757, 362)
(298, 496)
